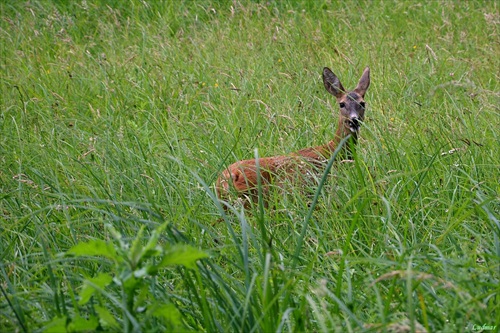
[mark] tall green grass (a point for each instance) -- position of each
(116, 118)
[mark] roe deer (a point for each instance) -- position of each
(241, 178)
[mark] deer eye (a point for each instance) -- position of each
(362, 104)
(342, 105)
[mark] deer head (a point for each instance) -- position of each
(351, 103)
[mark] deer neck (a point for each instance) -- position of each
(348, 148)
(324, 152)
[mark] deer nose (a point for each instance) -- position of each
(355, 121)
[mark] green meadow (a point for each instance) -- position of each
(116, 117)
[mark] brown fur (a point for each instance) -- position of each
(242, 176)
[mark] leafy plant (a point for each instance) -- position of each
(122, 299)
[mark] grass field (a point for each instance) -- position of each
(117, 116)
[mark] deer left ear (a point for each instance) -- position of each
(332, 83)
(364, 82)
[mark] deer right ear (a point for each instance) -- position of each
(332, 83)
(364, 82)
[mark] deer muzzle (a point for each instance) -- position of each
(354, 123)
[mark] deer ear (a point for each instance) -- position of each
(332, 83)
(364, 82)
